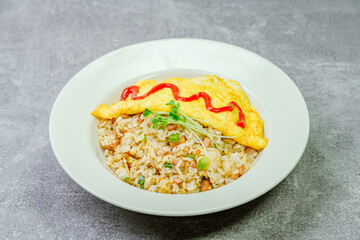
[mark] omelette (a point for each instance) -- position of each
(221, 92)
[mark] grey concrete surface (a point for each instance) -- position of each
(44, 43)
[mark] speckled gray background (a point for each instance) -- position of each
(44, 43)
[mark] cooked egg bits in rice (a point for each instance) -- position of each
(170, 149)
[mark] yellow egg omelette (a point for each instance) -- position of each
(221, 91)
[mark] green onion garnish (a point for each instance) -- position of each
(174, 137)
(176, 116)
(191, 156)
(147, 112)
(141, 181)
(168, 165)
(203, 163)
(111, 128)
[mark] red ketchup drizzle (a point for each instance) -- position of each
(134, 90)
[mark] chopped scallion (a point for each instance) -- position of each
(141, 181)
(174, 137)
(191, 156)
(203, 163)
(147, 112)
(168, 165)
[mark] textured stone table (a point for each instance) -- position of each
(44, 43)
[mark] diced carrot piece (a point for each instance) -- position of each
(242, 170)
(205, 185)
(235, 176)
(115, 143)
(172, 127)
(197, 152)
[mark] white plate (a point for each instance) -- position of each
(73, 131)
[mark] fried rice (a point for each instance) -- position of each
(142, 156)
